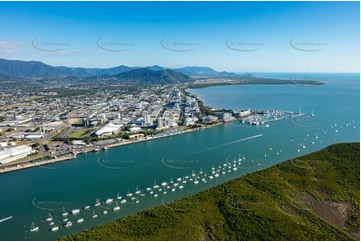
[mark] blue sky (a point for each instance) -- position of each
(230, 36)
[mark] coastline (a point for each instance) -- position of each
(18, 167)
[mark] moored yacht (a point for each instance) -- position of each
(55, 228)
(50, 218)
(33, 228)
(75, 211)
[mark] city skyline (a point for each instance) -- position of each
(232, 36)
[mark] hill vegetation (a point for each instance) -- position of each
(314, 197)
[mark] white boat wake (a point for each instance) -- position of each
(4, 219)
(235, 142)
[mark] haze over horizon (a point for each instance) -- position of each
(229, 36)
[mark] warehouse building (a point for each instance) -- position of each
(14, 153)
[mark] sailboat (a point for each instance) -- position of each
(312, 114)
(155, 184)
(50, 218)
(56, 228)
(94, 215)
(64, 213)
(33, 228)
(117, 207)
(97, 202)
(118, 196)
(137, 191)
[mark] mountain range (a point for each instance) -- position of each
(13, 69)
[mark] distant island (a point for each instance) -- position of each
(314, 197)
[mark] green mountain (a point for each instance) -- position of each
(314, 197)
(16, 69)
(148, 76)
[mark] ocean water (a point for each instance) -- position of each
(30, 195)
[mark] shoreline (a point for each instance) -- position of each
(18, 167)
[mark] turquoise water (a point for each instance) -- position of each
(29, 195)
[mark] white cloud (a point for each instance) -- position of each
(12, 48)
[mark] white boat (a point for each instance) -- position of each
(216, 175)
(97, 202)
(64, 213)
(116, 208)
(75, 211)
(105, 212)
(265, 155)
(50, 218)
(109, 200)
(179, 179)
(163, 184)
(164, 192)
(210, 177)
(56, 228)
(155, 195)
(172, 190)
(80, 220)
(175, 184)
(137, 201)
(94, 215)
(33, 228)
(155, 184)
(196, 182)
(118, 196)
(129, 194)
(65, 219)
(52, 223)
(298, 150)
(223, 172)
(181, 187)
(234, 168)
(123, 201)
(148, 189)
(68, 224)
(86, 207)
(203, 179)
(137, 191)
(142, 195)
(132, 198)
(239, 158)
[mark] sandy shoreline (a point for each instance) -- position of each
(6, 169)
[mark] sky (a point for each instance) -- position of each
(226, 36)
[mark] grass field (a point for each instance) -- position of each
(77, 134)
(315, 197)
